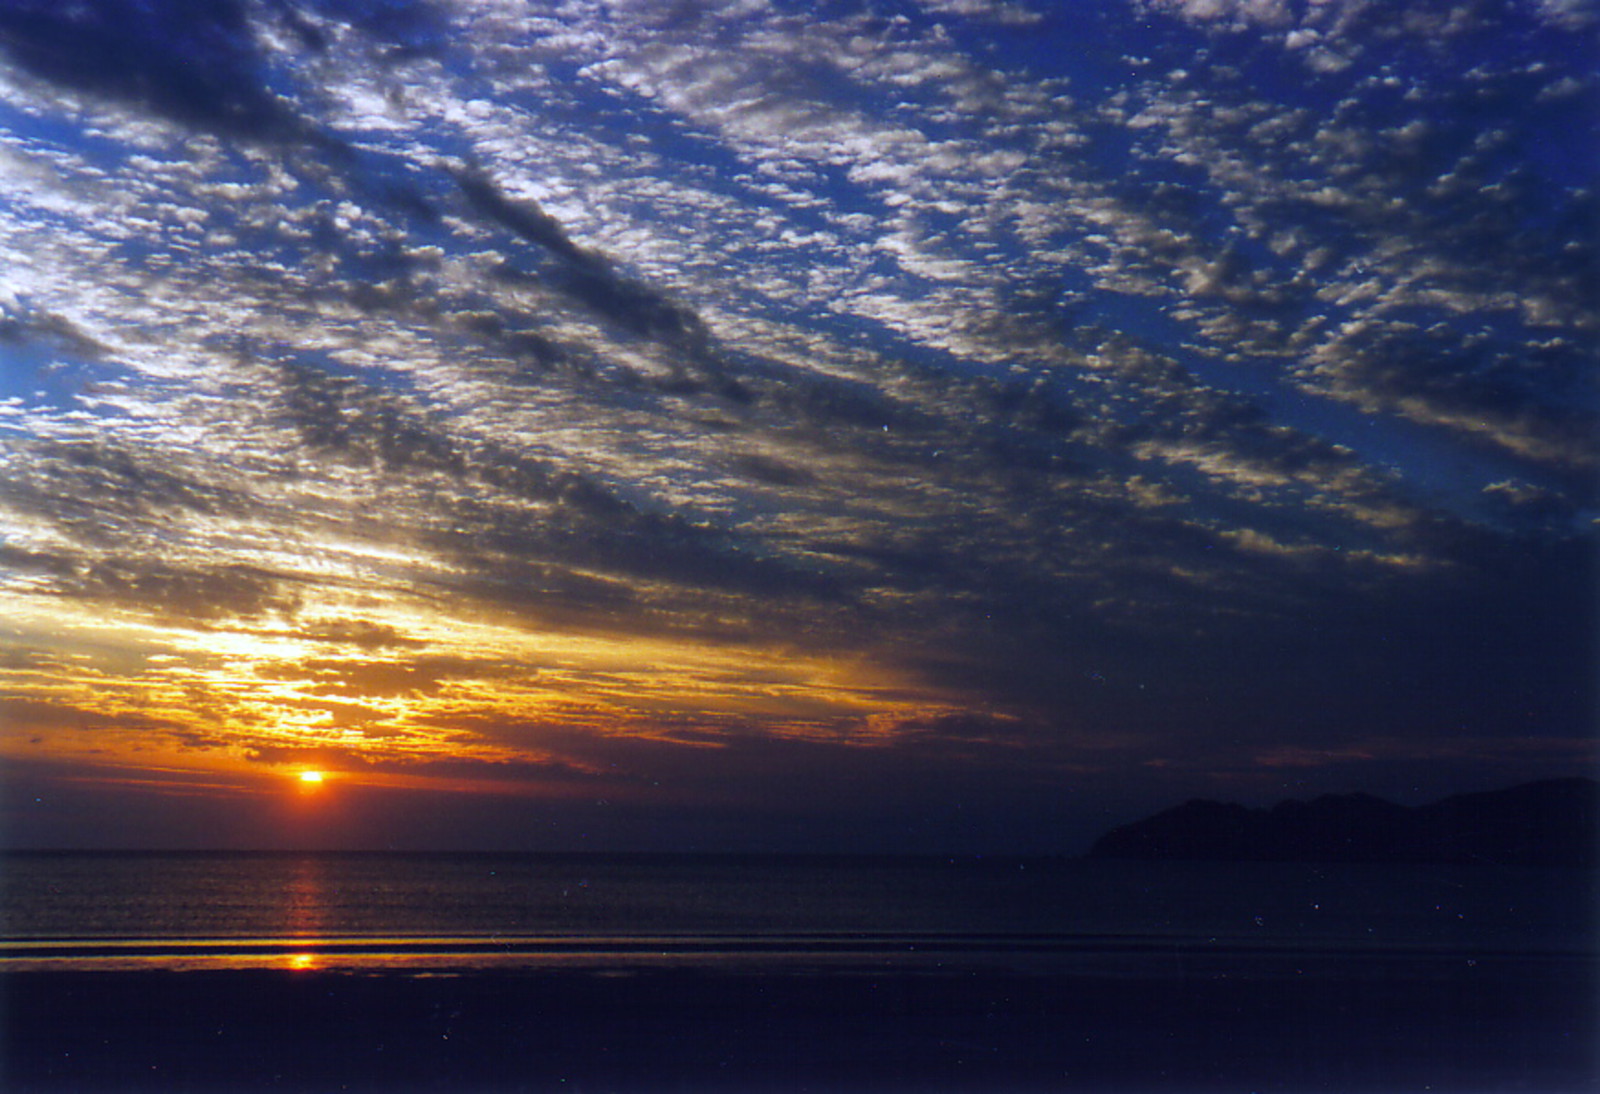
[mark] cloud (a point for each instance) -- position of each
(193, 62)
(389, 377)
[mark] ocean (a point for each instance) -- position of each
(229, 971)
(384, 910)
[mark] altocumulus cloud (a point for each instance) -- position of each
(993, 398)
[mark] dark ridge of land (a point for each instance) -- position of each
(1485, 1026)
(1555, 822)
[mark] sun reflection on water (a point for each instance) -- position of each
(306, 907)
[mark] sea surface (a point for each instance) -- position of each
(438, 913)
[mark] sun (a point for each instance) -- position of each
(312, 778)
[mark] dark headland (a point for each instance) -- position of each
(1550, 823)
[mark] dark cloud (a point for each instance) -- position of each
(584, 275)
(417, 674)
(75, 481)
(1484, 377)
(521, 554)
(20, 327)
(183, 593)
(198, 62)
(524, 218)
(342, 418)
(194, 61)
(34, 716)
(774, 472)
(360, 633)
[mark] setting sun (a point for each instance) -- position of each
(312, 777)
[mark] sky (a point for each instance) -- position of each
(938, 426)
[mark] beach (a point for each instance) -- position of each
(1514, 1025)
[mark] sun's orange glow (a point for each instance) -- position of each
(312, 778)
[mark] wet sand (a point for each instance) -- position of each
(1527, 1027)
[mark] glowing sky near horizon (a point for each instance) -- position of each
(758, 408)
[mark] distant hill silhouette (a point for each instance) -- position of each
(1550, 823)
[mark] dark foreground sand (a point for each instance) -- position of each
(1526, 1028)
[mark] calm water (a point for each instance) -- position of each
(435, 912)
